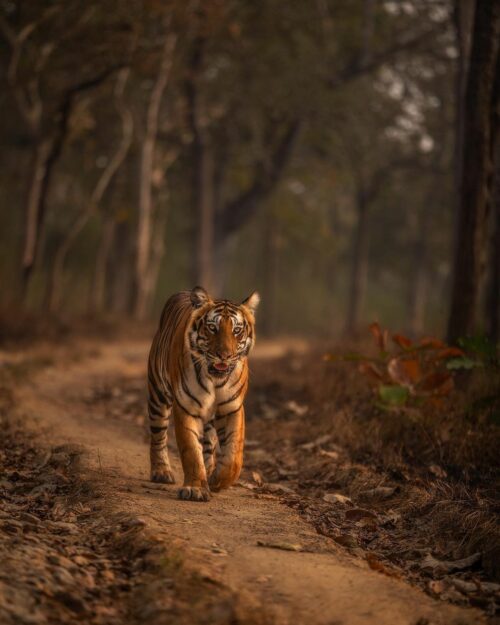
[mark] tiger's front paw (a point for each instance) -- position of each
(194, 493)
(163, 475)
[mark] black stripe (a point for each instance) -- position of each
(228, 414)
(154, 410)
(198, 436)
(233, 397)
(187, 391)
(197, 368)
(239, 377)
(157, 430)
(195, 416)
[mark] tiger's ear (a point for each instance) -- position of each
(199, 297)
(252, 301)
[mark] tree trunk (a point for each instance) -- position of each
(493, 291)
(493, 287)
(99, 278)
(463, 17)
(223, 247)
(145, 222)
(418, 282)
(237, 212)
(270, 258)
(359, 264)
(35, 201)
(120, 296)
(476, 172)
(157, 252)
(204, 211)
(203, 175)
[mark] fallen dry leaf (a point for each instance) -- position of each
(257, 478)
(381, 492)
(356, 514)
(375, 564)
(463, 586)
(336, 498)
(433, 565)
(346, 540)
(278, 488)
(280, 545)
(437, 471)
(297, 409)
(334, 455)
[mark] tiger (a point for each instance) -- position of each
(198, 371)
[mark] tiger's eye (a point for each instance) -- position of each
(212, 327)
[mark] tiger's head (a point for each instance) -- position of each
(221, 331)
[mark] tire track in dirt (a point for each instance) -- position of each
(320, 585)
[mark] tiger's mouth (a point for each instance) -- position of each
(220, 369)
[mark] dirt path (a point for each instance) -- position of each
(320, 585)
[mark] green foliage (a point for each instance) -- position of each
(463, 363)
(393, 395)
(481, 346)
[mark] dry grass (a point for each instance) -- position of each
(444, 464)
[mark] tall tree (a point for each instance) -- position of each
(91, 207)
(476, 171)
(202, 170)
(144, 283)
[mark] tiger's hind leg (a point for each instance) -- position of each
(209, 447)
(159, 417)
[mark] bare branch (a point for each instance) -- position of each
(240, 209)
(357, 69)
(97, 194)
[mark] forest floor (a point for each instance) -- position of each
(314, 533)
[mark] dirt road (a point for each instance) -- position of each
(320, 584)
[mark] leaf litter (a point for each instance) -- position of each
(385, 515)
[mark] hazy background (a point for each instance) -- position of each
(310, 150)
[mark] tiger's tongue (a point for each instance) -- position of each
(220, 366)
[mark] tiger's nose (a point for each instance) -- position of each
(223, 354)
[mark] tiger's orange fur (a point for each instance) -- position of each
(198, 371)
